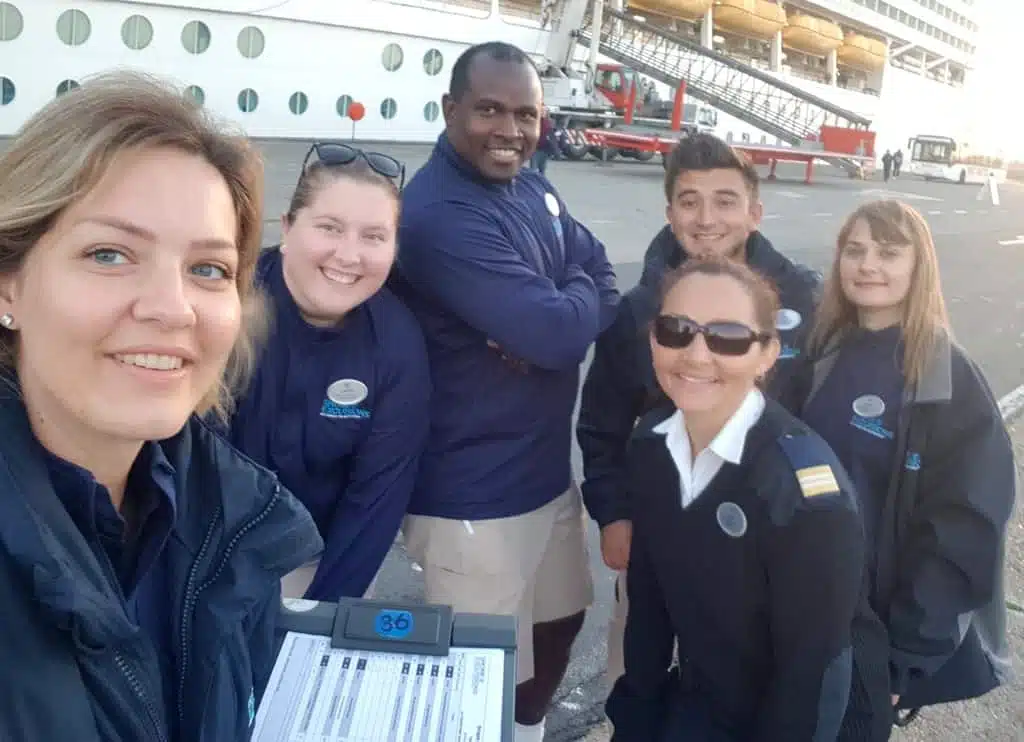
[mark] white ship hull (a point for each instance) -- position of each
(327, 50)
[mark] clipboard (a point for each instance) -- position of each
(381, 671)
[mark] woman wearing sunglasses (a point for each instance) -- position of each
(747, 547)
(339, 404)
(915, 424)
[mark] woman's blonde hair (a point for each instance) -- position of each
(64, 150)
(924, 312)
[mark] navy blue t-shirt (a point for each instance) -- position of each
(340, 414)
(132, 546)
(856, 411)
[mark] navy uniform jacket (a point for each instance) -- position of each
(510, 291)
(352, 462)
(620, 384)
(760, 603)
(938, 584)
(75, 667)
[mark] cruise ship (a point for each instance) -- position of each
(294, 68)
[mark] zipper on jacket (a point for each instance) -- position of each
(192, 592)
(140, 691)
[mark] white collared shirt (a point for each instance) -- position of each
(696, 472)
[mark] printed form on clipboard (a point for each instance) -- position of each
(320, 694)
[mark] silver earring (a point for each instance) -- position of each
(7, 320)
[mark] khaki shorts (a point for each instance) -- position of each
(532, 566)
(297, 582)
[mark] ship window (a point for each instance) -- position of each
(66, 86)
(6, 91)
(343, 103)
(11, 22)
(298, 103)
(251, 42)
(248, 100)
(196, 93)
(392, 57)
(195, 37)
(431, 111)
(388, 108)
(73, 27)
(433, 61)
(136, 32)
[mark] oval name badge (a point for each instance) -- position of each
(552, 203)
(869, 405)
(788, 319)
(392, 624)
(347, 392)
(731, 519)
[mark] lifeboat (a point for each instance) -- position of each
(862, 52)
(811, 35)
(687, 10)
(754, 18)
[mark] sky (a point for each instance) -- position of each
(999, 122)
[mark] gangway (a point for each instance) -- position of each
(747, 93)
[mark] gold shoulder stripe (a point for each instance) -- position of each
(817, 480)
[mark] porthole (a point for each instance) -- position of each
(66, 86)
(7, 91)
(342, 106)
(392, 57)
(298, 103)
(11, 22)
(388, 108)
(136, 32)
(195, 37)
(433, 61)
(73, 27)
(196, 93)
(251, 42)
(248, 100)
(431, 111)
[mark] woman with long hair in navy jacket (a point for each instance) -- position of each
(916, 426)
(747, 549)
(338, 407)
(141, 556)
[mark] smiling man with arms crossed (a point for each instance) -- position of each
(510, 291)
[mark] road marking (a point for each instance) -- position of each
(790, 194)
(822, 213)
(883, 193)
(934, 212)
(959, 211)
(1012, 404)
(772, 216)
(1018, 241)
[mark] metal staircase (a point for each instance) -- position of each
(742, 91)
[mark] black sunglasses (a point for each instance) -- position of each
(334, 154)
(722, 338)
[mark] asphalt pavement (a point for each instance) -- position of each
(981, 252)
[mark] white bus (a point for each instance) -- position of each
(941, 158)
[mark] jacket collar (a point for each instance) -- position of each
(445, 152)
(935, 386)
(231, 499)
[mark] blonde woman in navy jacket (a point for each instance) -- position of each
(747, 556)
(915, 424)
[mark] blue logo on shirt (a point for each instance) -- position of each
(788, 351)
(913, 461)
(343, 412)
(872, 426)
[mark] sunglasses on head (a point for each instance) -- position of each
(334, 154)
(722, 338)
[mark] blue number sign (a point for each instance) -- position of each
(393, 624)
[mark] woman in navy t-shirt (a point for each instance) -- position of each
(339, 404)
(915, 425)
